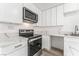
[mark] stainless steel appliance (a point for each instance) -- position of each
(29, 16)
(34, 45)
(34, 41)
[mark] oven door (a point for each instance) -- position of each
(34, 45)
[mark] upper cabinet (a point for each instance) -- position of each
(53, 16)
(60, 15)
(49, 17)
(11, 12)
(70, 7)
(44, 19)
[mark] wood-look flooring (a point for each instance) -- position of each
(52, 52)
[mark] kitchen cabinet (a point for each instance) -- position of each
(70, 7)
(44, 19)
(11, 12)
(60, 15)
(52, 17)
(57, 42)
(49, 17)
(19, 52)
(39, 18)
(71, 46)
(46, 42)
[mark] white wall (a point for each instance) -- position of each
(71, 20)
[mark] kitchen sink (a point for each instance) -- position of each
(71, 34)
(74, 34)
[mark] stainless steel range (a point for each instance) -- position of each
(34, 41)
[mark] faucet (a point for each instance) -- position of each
(76, 29)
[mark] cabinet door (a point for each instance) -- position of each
(57, 42)
(49, 17)
(46, 42)
(67, 51)
(53, 20)
(60, 15)
(70, 7)
(74, 48)
(44, 19)
(19, 52)
(11, 12)
(71, 46)
(39, 18)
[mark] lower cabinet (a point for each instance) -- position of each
(46, 42)
(71, 46)
(19, 52)
(57, 42)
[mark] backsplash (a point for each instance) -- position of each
(7, 28)
(48, 30)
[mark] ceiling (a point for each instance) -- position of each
(44, 6)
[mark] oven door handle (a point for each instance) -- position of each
(17, 46)
(35, 39)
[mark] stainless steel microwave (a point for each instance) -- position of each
(29, 16)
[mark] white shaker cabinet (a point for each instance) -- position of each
(19, 52)
(71, 46)
(54, 15)
(49, 17)
(46, 42)
(39, 18)
(44, 19)
(60, 15)
(11, 12)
